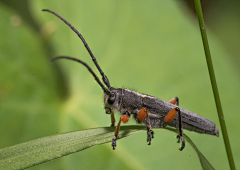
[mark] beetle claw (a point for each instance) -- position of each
(114, 142)
(182, 140)
(149, 136)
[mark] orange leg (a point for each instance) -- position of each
(142, 114)
(170, 116)
(174, 101)
(123, 119)
(112, 119)
(172, 113)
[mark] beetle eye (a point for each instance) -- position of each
(112, 98)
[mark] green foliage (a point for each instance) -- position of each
(153, 47)
(214, 84)
(41, 150)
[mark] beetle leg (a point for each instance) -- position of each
(123, 119)
(141, 115)
(112, 119)
(180, 136)
(170, 116)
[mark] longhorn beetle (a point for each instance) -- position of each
(146, 109)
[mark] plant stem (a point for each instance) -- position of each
(214, 84)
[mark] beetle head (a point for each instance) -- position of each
(112, 100)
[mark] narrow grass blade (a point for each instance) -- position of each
(204, 162)
(214, 83)
(44, 149)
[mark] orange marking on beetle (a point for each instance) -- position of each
(173, 101)
(124, 118)
(142, 114)
(170, 116)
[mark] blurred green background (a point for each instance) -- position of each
(153, 47)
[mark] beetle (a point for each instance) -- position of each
(146, 109)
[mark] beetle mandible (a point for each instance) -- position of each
(151, 111)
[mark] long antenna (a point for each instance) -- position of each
(89, 69)
(104, 77)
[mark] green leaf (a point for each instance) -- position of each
(214, 84)
(204, 162)
(154, 48)
(41, 150)
(44, 149)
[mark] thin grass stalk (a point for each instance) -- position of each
(214, 84)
